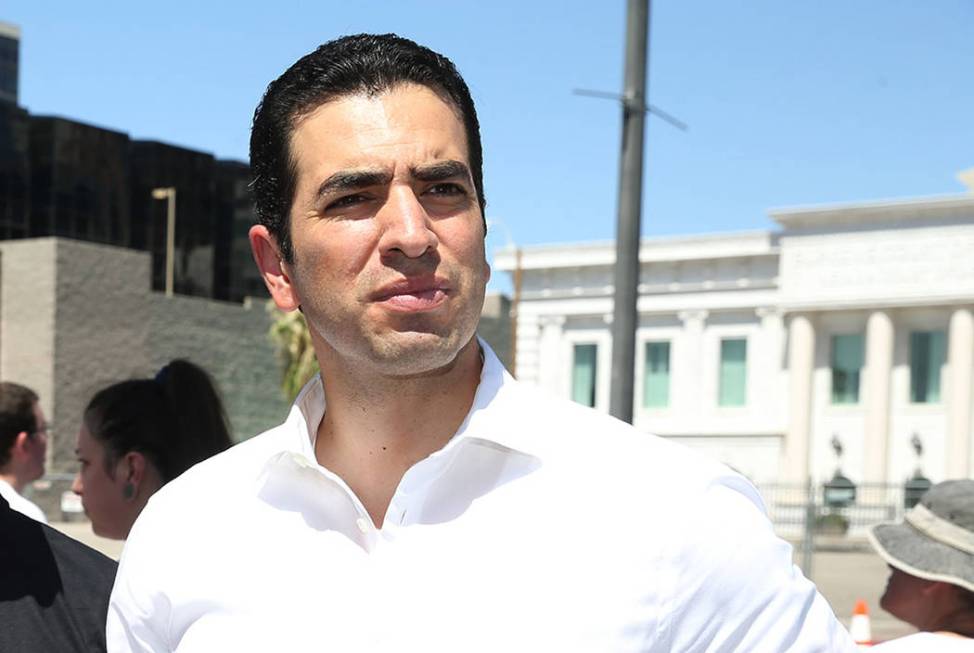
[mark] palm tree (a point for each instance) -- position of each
(289, 333)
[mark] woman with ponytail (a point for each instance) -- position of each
(138, 435)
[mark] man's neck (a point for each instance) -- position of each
(375, 429)
(13, 481)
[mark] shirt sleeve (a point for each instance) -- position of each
(139, 611)
(736, 588)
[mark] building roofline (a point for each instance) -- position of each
(55, 116)
(926, 207)
(9, 30)
(652, 241)
(667, 248)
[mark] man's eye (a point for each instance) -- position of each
(447, 189)
(345, 202)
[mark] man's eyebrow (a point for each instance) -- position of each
(345, 180)
(441, 171)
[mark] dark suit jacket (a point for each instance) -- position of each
(53, 590)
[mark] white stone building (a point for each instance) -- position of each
(851, 321)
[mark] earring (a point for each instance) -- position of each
(128, 491)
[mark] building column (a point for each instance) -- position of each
(770, 352)
(960, 365)
(801, 364)
(686, 386)
(551, 367)
(876, 384)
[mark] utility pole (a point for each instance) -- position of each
(624, 314)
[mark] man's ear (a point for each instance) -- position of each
(131, 468)
(22, 444)
(272, 268)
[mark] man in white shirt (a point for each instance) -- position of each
(23, 446)
(418, 498)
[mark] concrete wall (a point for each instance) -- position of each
(109, 327)
(28, 300)
(230, 341)
(77, 316)
(101, 331)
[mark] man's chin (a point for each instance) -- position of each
(415, 353)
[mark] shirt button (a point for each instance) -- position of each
(363, 524)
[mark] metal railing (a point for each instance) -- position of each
(805, 515)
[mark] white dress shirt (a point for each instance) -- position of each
(927, 643)
(20, 504)
(540, 526)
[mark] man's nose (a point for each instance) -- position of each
(76, 486)
(407, 227)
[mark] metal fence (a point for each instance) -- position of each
(816, 516)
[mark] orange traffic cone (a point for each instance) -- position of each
(859, 627)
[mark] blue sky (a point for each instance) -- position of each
(788, 103)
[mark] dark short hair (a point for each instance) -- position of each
(361, 64)
(16, 415)
(175, 420)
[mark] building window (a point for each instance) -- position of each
(927, 356)
(733, 372)
(656, 375)
(583, 374)
(847, 359)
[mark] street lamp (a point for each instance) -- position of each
(169, 194)
(918, 484)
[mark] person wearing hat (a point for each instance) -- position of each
(931, 556)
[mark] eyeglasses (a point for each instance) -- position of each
(43, 428)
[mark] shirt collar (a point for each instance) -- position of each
(491, 420)
(7, 490)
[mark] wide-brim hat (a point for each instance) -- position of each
(936, 539)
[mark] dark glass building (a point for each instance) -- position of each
(192, 174)
(79, 181)
(60, 177)
(235, 215)
(14, 140)
(9, 62)
(14, 171)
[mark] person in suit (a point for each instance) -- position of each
(53, 590)
(23, 446)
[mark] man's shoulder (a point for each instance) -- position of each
(222, 478)
(563, 431)
(20, 503)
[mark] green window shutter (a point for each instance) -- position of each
(656, 375)
(733, 372)
(847, 360)
(583, 374)
(927, 355)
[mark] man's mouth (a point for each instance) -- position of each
(411, 295)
